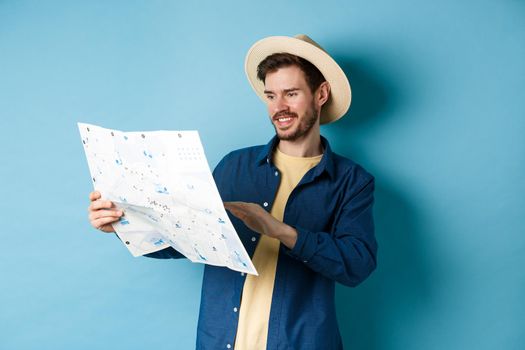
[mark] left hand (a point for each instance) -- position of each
(259, 220)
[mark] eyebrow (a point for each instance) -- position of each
(285, 90)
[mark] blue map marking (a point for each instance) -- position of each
(153, 218)
(123, 221)
(239, 259)
(161, 189)
(118, 160)
(200, 255)
(159, 242)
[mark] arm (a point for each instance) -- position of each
(348, 255)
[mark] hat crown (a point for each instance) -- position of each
(309, 40)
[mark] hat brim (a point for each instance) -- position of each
(340, 91)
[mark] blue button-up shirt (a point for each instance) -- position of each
(331, 209)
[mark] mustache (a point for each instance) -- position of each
(284, 114)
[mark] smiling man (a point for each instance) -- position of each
(303, 212)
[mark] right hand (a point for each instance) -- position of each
(102, 213)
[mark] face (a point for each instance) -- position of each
(291, 104)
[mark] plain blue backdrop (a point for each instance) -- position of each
(437, 116)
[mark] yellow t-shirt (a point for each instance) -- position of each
(254, 313)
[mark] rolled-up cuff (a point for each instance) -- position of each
(304, 248)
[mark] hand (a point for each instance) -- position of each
(259, 220)
(102, 213)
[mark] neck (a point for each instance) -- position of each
(307, 146)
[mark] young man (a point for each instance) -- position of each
(303, 213)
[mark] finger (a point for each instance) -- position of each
(244, 206)
(100, 204)
(237, 213)
(103, 221)
(234, 205)
(231, 207)
(97, 222)
(93, 196)
(102, 213)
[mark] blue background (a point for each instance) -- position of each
(437, 116)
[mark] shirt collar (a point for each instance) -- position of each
(326, 163)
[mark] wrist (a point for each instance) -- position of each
(287, 235)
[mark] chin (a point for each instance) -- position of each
(287, 135)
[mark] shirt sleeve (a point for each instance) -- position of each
(166, 253)
(348, 254)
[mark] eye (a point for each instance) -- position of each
(269, 97)
(292, 94)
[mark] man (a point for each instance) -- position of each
(303, 213)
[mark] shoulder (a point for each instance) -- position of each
(354, 175)
(346, 165)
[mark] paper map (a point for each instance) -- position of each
(162, 182)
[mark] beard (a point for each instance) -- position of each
(305, 125)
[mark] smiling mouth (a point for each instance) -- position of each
(284, 121)
(283, 116)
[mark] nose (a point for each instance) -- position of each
(278, 105)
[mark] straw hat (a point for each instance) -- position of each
(302, 46)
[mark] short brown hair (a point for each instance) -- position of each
(314, 78)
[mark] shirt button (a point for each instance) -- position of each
(265, 204)
(235, 309)
(276, 173)
(305, 261)
(268, 160)
(254, 239)
(228, 346)
(242, 273)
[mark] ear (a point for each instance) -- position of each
(322, 94)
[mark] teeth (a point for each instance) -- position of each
(284, 119)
